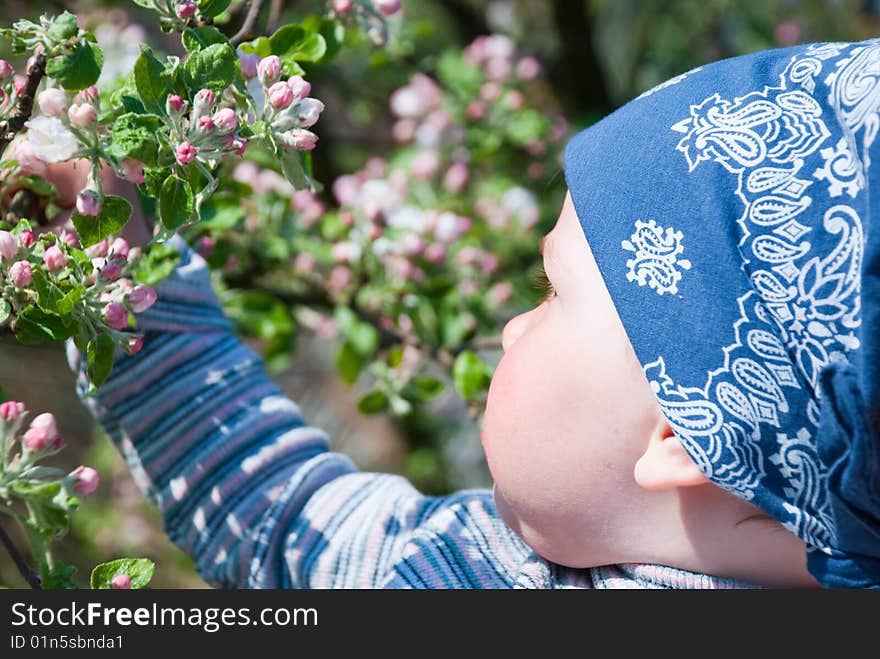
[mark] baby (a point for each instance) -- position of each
(693, 406)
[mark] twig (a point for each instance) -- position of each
(25, 106)
(248, 25)
(23, 568)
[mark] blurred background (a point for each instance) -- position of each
(595, 56)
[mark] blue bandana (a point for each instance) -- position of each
(729, 212)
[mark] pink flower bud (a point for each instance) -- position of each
(123, 581)
(54, 258)
(52, 102)
(46, 421)
(98, 250)
(87, 479)
(27, 238)
(186, 9)
(135, 345)
(456, 177)
(341, 6)
(435, 253)
(299, 87)
(11, 410)
(119, 248)
(174, 104)
(387, 7)
(133, 170)
(248, 64)
(269, 69)
(225, 120)
(111, 271)
(82, 115)
(88, 203)
(6, 69)
(8, 246)
(21, 273)
(528, 68)
(280, 95)
(36, 439)
(116, 316)
(142, 298)
(185, 153)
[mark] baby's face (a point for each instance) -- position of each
(569, 410)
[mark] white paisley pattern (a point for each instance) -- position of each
(656, 257)
(805, 300)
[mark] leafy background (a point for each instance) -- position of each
(597, 54)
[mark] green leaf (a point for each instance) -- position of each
(373, 402)
(53, 299)
(63, 27)
(201, 37)
(470, 374)
(139, 569)
(79, 69)
(115, 213)
(176, 202)
(212, 7)
(152, 82)
(100, 359)
(212, 67)
(349, 363)
(134, 136)
(35, 326)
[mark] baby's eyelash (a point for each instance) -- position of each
(543, 284)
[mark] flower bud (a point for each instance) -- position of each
(21, 273)
(387, 7)
(54, 258)
(8, 246)
(123, 581)
(186, 9)
(248, 64)
(299, 87)
(280, 95)
(225, 120)
(269, 69)
(86, 478)
(174, 104)
(88, 203)
(27, 238)
(11, 409)
(185, 153)
(82, 115)
(52, 102)
(116, 316)
(46, 421)
(119, 248)
(142, 298)
(6, 69)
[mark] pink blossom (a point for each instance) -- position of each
(435, 253)
(8, 246)
(247, 62)
(142, 298)
(186, 9)
(528, 68)
(185, 153)
(133, 170)
(88, 203)
(225, 120)
(387, 7)
(54, 258)
(456, 177)
(6, 69)
(52, 102)
(82, 115)
(269, 69)
(27, 238)
(280, 95)
(86, 478)
(21, 273)
(135, 344)
(122, 581)
(119, 248)
(11, 410)
(116, 316)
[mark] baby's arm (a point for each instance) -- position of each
(251, 491)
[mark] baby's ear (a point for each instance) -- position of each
(665, 464)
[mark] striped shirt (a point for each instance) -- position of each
(255, 496)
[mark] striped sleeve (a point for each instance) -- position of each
(251, 491)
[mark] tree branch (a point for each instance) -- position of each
(245, 32)
(35, 72)
(23, 568)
